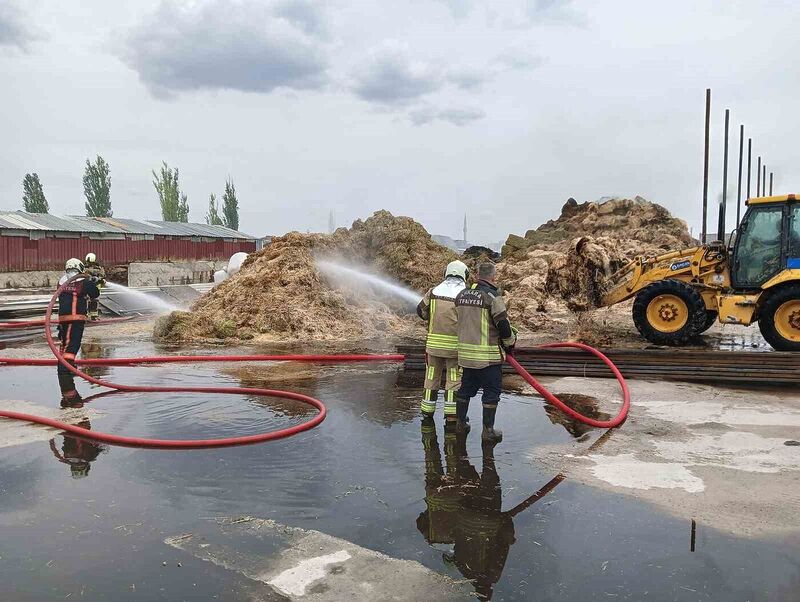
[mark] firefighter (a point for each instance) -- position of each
(73, 303)
(438, 309)
(484, 336)
(98, 274)
(484, 533)
(464, 509)
(77, 453)
(438, 521)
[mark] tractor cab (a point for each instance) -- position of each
(767, 243)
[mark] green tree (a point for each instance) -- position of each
(230, 206)
(212, 217)
(33, 195)
(174, 204)
(97, 188)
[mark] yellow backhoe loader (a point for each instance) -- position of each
(678, 295)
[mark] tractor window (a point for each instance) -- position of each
(758, 250)
(794, 238)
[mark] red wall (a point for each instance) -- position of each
(20, 254)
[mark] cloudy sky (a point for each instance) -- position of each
(428, 108)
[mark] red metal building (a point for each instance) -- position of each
(35, 242)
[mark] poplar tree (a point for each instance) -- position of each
(174, 203)
(230, 206)
(97, 188)
(212, 217)
(33, 195)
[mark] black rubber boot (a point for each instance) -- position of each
(490, 435)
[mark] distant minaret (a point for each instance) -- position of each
(465, 226)
(331, 223)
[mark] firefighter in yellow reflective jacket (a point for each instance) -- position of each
(438, 309)
(484, 335)
(98, 275)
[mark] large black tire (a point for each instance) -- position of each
(788, 296)
(691, 313)
(711, 317)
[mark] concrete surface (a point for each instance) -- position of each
(43, 279)
(726, 457)
(299, 564)
(179, 272)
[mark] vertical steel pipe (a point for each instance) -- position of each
(705, 167)
(749, 163)
(758, 178)
(739, 184)
(723, 202)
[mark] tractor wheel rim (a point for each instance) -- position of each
(667, 313)
(787, 320)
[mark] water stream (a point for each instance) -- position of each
(338, 271)
(148, 302)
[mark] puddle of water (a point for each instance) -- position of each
(372, 474)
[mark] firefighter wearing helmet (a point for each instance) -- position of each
(98, 274)
(438, 309)
(77, 290)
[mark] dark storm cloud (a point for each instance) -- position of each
(14, 31)
(390, 77)
(223, 44)
(458, 117)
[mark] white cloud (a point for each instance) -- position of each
(460, 117)
(222, 44)
(391, 77)
(14, 30)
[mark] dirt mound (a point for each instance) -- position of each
(280, 294)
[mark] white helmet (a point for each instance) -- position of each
(91, 258)
(74, 264)
(458, 269)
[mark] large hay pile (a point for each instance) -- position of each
(279, 294)
(562, 264)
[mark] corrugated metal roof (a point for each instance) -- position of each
(20, 220)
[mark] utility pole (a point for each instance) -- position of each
(739, 185)
(705, 167)
(770, 182)
(724, 200)
(764, 181)
(465, 227)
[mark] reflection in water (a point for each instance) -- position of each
(464, 508)
(77, 453)
(585, 404)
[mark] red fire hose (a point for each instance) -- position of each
(260, 437)
(606, 424)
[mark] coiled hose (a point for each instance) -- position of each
(174, 444)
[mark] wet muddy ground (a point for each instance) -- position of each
(88, 522)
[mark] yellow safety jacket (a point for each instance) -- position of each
(479, 310)
(438, 308)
